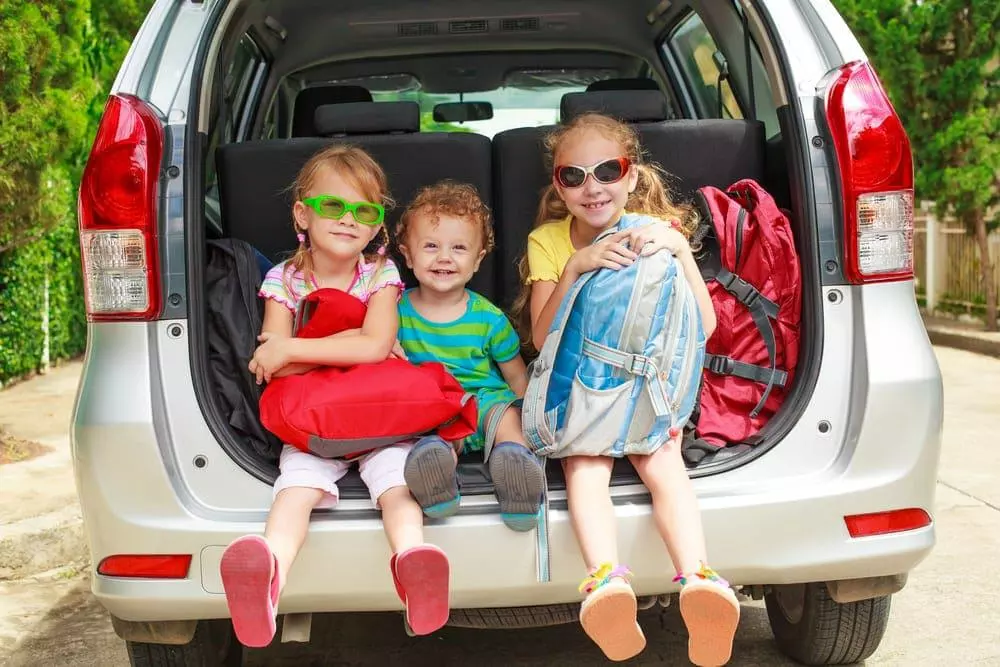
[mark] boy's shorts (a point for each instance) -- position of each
(380, 470)
(491, 404)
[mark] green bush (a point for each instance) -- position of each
(57, 61)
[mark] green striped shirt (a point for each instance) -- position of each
(469, 347)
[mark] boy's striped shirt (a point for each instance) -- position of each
(469, 347)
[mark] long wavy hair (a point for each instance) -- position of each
(652, 196)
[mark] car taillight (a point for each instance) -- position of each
(117, 213)
(884, 523)
(876, 173)
(146, 566)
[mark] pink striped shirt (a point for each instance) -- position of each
(289, 287)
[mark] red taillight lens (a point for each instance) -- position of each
(876, 172)
(117, 212)
(146, 566)
(882, 523)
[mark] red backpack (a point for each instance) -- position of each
(344, 412)
(752, 270)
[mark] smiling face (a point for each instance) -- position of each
(594, 204)
(342, 239)
(444, 251)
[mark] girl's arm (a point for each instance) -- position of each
(371, 345)
(700, 289)
(545, 299)
(277, 327)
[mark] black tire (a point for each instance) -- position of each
(510, 618)
(214, 645)
(811, 628)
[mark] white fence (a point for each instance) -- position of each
(947, 266)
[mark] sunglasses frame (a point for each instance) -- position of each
(316, 204)
(624, 164)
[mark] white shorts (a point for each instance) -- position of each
(380, 470)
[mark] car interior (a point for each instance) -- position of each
(468, 91)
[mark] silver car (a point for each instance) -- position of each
(822, 514)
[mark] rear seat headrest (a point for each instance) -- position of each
(630, 106)
(310, 99)
(367, 118)
(635, 83)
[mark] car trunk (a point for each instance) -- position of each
(784, 176)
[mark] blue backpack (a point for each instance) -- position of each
(620, 370)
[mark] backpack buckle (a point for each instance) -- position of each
(744, 292)
(720, 365)
(635, 364)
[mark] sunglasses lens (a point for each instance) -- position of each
(333, 208)
(570, 177)
(610, 171)
(367, 214)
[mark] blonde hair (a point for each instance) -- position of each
(652, 196)
(361, 170)
(448, 197)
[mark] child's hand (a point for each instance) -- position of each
(611, 253)
(397, 351)
(658, 236)
(269, 357)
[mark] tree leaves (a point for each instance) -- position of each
(51, 79)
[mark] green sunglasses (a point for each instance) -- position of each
(334, 208)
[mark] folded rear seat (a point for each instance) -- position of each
(255, 176)
(696, 152)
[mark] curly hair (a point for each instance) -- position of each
(447, 197)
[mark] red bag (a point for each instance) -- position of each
(752, 271)
(344, 412)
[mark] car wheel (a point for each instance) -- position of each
(214, 645)
(813, 629)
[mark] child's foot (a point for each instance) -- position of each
(711, 613)
(422, 576)
(250, 579)
(608, 614)
(519, 482)
(430, 474)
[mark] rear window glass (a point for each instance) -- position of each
(512, 107)
(527, 98)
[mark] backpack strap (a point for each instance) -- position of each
(633, 364)
(722, 365)
(762, 310)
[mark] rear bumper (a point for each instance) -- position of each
(784, 537)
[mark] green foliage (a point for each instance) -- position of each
(939, 61)
(58, 59)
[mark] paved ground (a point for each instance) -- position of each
(947, 614)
